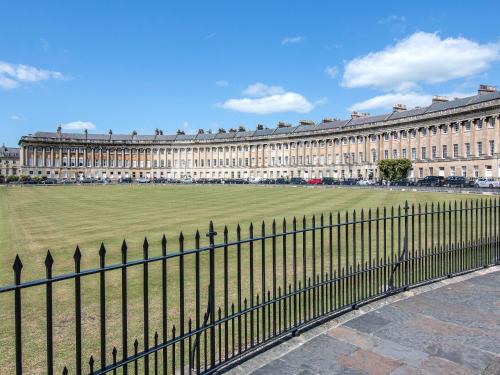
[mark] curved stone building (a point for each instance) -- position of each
(457, 137)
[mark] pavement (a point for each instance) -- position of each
(450, 327)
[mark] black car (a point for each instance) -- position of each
(330, 181)
(281, 181)
(432, 181)
(402, 182)
(350, 181)
(297, 181)
(456, 181)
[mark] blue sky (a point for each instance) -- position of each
(208, 64)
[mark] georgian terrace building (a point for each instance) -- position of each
(9, 161)
(458, 137)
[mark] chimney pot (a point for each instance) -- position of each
(486, 89)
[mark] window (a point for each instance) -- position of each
(492, 148)
(445, 151)
(479, 124)
(72, 160)
(452, 171)
(455, 150)
(433, 152)
(491, 122)
(476, 171)
(424, 153)
(413, 153)
(467, 126)
(456, 127)
(403, 153)
(444, 129)
(386, 136)
(423, 132)
(80, 162)
(374, 155)
(421, 172)
(479, 148)
(434, 130)
(386, 154)
(467, 150)
(431, 171)
(464, 171)
(395, 154)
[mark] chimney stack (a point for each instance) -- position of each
(306, 122)
(485, 89)
(356, 114)
(439, 99)
(399, 108)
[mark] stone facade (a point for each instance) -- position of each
(457, 137)
(9, 161)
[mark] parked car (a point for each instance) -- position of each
(314, 181)
(401, 182)
(456, 181)
(350, 181)
(486, 182)
(432, 181)
(282, 181)
(366, 182)
(143, 180)
(297, 181)
(330, 181)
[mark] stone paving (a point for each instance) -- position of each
(454, 329)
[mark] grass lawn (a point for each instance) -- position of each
(35, 219)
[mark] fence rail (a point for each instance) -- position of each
(239, 295)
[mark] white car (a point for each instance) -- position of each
(366, 182)
(486, 182)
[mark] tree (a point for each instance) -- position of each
(394, 169)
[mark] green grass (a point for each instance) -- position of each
(35, 219)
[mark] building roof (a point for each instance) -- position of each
(331, 125)
(9, 152)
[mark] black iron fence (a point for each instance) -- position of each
(224, 300)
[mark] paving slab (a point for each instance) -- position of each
(451, 327)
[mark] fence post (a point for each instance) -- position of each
(49, 261)
(405, 249)
(211, 295)
(17, 267)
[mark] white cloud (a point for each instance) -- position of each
(420, 58)
(221, 83)
(332, 71)
(410, 99)
(287, 102)
(12, 75)
(261, 89)
(78, 125)
(15, 117)
(293, 40)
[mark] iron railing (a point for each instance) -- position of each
(258, 289)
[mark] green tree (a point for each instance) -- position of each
(394, 169)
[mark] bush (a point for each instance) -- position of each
(12, 179)
(394, 169)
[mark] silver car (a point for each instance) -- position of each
(486, 182)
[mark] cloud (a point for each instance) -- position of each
(12, 75)
(78, 125)
(420, 58)
(332, 71)
(261, 89)
(293, 40)
(264, 99)
(15, 117)
(221, 83)
(410, 99)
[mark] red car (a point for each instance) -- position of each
(314, 181)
